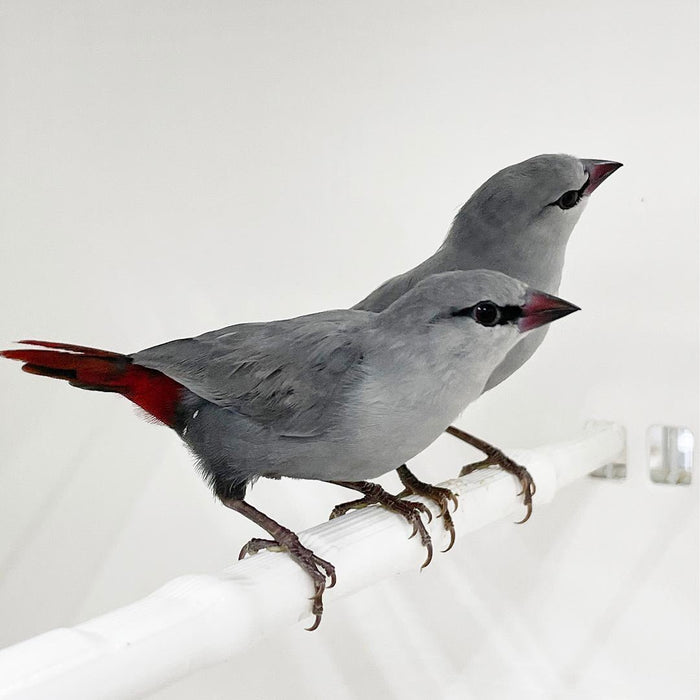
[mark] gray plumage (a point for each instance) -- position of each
(348, 395)
(338, 395)
(511, 224)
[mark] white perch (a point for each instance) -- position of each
(200, 620)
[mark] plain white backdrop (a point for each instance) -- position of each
(169, 168)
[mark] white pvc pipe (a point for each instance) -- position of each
(200, 620)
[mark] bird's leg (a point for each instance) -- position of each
(285, 539)
(495, 457)
(441, 496)
(375, 494)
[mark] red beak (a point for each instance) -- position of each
(598, 170)
(540, 309)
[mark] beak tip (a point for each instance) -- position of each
(598, 171)
(541, 309)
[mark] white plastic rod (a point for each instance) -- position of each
(200, 620)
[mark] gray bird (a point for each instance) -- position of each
(339, 396)
(518, 222)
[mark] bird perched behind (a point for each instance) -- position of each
(518, 223)
(339, 396)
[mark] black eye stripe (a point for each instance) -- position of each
(508, 314)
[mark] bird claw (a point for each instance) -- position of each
(343, 508)
(317, 599)
(528, 487)
(442, 497)
(319, 588)
(527, 483)
(410, 510)
(443, 502)
(317, 622)
(424, 509)
(328, 570)
(450, 527)
(286, 540)
(427, 542)
(419, 528)
(527, 515)
(257, 544)
(319, 569)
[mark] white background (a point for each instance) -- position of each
(169, 168)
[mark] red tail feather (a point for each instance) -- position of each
(70, 348)
(101, 370)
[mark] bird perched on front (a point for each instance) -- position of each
(518, 223)
(339, 396)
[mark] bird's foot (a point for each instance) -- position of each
(437, 494)
(319, 569)
(283, 539)
(527, 483)
(494, 456)
(410, 510)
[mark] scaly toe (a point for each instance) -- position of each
(455, 500)
(424, 509)
(428, 544)
(449, 526)
(328, 570)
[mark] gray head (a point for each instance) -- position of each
(528, 209)
(489, 304)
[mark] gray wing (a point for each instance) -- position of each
(288, 375)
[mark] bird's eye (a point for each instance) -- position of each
(569, 199)
(486, 313)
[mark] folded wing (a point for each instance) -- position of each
(287, 375)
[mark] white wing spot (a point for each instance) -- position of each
(195, 414)
(184, 432)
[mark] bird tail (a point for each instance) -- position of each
(101, 370)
